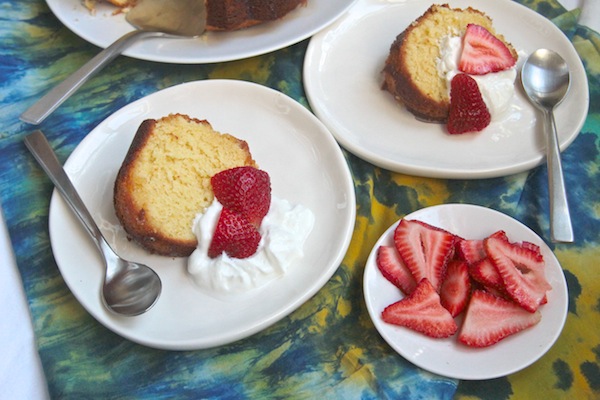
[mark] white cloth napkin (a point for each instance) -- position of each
(21, 373)
(590, 12)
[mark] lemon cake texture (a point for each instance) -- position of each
(164, 180)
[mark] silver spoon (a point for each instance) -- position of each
(151, 18)
(129, 288)
(545, 77)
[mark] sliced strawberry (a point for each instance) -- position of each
(490, 319)
(244, 190)
(456, 287)
(468, 112)
(234, 235)
(472, 250)
(483, 52)
(486, 273)
(393, 269)
(425, 250)
(422, 311)
(522, 271)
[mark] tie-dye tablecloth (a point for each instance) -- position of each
(329, 347)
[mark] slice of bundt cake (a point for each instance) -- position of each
(164, 180)
(411, 69)
(230, 15)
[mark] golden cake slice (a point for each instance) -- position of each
(164, 180)
(411, 71)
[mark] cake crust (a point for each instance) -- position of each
(164, 181)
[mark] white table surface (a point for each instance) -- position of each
(21, 374)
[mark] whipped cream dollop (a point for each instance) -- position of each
(284, 231)
(497, 88)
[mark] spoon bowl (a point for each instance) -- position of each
(546, 79)
(129, 288)
(151, 18)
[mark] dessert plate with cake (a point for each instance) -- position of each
(449, 356)
(391, 104)
(225, 41)
(259, 128)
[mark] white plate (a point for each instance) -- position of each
(448, 357)
(342, 77)
(306, 166)
(103, 28)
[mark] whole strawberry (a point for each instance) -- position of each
(468, 112)
(244, 190)
(234, 235)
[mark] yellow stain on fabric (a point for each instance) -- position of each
(574, 346)
(268, 359)
(430, 191)
(319, 321)
(256, 69)
(588, 49)
(351, 364)
(344, 307)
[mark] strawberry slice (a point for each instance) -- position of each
(424, 249)
(490, 319)
(421, 311)
(522, 271)
(486, 273)
(456, 287)
(245, 190)
(234, 235)
(468, 112)
(483, 52)
(393, 269)
(472, 250)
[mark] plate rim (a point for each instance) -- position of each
(135, 51)
(370, 269)
(363, 9)
(58, 211)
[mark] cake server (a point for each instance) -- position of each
(546, 79)
(151, 18)
(129, 288)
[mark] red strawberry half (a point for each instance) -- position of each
(483, 52)
(468, 112)
(456, 287)
(522, 271)
(234, 235)
(421, 311)
(490, 319)
(393, 269)
(244, 190)
(425, 250)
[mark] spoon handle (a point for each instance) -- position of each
(48, 103)
(38, 145)
(561, 229)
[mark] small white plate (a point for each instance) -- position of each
(448, 357)
(103, 28)
(342, 77)
(306, 166)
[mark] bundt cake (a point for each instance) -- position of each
(164, 180)
(411, 72)
(229, 15)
